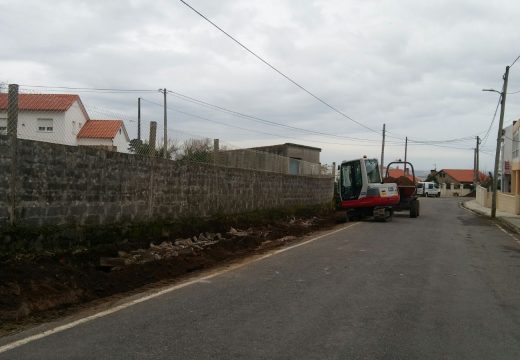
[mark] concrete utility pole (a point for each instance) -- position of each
(477, 161)
(164, 91)
(153, 133)
(216, 148)
(405, 154)
(475, 169)
(12, 133)
(476, 172)
(138, 118)
(499, 141)
(383, 151)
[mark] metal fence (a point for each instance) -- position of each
(65, 119)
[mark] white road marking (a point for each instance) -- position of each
(167, 290)
(513, 236)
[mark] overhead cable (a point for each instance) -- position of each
(278, 71)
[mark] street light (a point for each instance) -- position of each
(493, 90)
(499, 140)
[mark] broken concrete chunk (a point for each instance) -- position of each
(287, 238)
(235, 232)
(184, 242)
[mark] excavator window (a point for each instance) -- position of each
(351, 180)
(372, 171)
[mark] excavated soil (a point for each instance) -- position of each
(36, 289)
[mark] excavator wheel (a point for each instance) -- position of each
(414, 208)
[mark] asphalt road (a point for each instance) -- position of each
(443, 286)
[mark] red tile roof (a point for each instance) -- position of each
(100, 129)
(462, 175)
(41, 102)
(44, 102)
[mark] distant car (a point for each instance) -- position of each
(426, 188)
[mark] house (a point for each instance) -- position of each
(106, 134)
(458, 177)
(507, 200)
(288, 158)
(506, 158)
(299, 155)
(54, 118)
(62, 119)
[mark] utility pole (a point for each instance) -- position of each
(152, 135)
(475, 169)
(138, 118)
(499, 141)
(12, 134)
(165, 125)
(405, 154)
(477, 162)
(383, 150)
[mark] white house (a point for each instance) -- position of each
(108, 134)
(55, 118)
(506, 155)
(59, 118)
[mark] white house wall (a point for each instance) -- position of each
(120, 142)
(74, 120)
(94, 142)
(62, 132)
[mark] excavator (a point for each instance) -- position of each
(361, 192)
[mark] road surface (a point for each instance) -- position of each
(443, 286)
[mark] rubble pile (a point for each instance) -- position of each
(169, 249)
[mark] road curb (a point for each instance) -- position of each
(502, 221)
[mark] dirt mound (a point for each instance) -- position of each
(402, 180)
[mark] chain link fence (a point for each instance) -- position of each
(65, 119)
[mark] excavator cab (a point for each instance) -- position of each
(362, 193)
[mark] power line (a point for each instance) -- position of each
(278, 71)
(250, 117)
(513, 92)
(258, 119)
(510, 66)
(455, 140)
(273, 123)
(90, 89)
(251, 130)
(492, 122)
(199, 102)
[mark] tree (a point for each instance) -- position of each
(144, 148)
(432, 177)
(200, 150)
(139, 147)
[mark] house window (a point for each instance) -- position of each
(3, 126)
(45, 125)
(516, 144)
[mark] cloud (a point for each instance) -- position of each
(418, 67)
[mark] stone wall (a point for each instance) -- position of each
(67, 185)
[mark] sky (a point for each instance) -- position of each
(418, 67)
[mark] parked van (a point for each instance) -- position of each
(426, 188)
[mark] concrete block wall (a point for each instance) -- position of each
(5, 169)
(67, 185)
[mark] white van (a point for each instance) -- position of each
(426, 188)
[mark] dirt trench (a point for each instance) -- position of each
(36, 289)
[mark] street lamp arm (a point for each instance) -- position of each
(493, 90)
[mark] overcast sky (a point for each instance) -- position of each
(417, 66)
